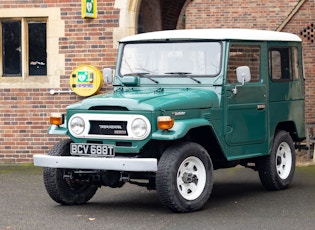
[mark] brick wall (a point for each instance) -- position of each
(265, 14)
(24, 112)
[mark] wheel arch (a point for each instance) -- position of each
(206, 137)
(194, 130)
(290, 127)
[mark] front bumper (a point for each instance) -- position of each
(97, 163)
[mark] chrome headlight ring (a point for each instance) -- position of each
(77, 125)
(139, 127)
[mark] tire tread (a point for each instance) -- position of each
(167, 170)
(57, 188)
(267, 167)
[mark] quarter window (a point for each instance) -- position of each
(283, 63)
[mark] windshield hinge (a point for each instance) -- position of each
(159, 90)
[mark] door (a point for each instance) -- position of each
(246, 109)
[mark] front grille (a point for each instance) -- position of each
(118, 128)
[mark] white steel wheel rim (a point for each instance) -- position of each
(284, 160)
(191, 178)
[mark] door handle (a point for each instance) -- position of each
(261, 107)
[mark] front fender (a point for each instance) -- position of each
(180, 129)
(58, 130)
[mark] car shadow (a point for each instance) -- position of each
(240, 187)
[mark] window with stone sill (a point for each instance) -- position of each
(23, 45)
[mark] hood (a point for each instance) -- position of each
(152, 99)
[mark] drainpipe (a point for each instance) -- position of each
(290, 16)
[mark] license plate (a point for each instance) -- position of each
(92, 150)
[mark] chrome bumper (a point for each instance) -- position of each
(98, 163)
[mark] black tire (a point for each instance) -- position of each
(66, 191)
(184, 178)
(276, 171)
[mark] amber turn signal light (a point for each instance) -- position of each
(165, 122)
(56, 119)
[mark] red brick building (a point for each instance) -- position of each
(42, 41)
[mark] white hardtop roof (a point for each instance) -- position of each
(214, 34)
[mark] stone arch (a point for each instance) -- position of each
(128, 19)
(167, 15)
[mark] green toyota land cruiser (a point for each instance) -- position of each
(184, 103)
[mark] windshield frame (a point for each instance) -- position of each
(179, 46)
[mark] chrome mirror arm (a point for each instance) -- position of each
(235, 89)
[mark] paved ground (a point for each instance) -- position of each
(238, 201)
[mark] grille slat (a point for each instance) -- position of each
(118, 128)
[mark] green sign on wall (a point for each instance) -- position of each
(89, 9)
(83, 76)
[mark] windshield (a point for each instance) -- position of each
(158, 59)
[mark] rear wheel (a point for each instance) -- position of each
(276, 170)
(184, 178)
(61, 184)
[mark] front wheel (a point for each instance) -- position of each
(61, 185)
(185, 177)
(276, 170)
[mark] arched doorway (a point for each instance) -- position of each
(161, 15)
(138, 16)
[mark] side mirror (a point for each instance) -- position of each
(108, 75)
(243, 75)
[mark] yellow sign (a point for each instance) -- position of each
(89, 9)
(86, 80)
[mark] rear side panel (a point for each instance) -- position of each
(286, 88)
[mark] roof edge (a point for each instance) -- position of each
(214, 34)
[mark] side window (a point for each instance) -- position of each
(11, 48)
(21, 55)
(283, 63)
(37, 57)
(244, 55)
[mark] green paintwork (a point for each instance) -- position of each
(151, 103)
(180, 129)
(150, 99)
(244, 123)
(58, 130)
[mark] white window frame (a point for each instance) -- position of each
(55, 28)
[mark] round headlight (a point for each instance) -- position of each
(77, 125)
(139, 127)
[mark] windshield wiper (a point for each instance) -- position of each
(141, 74)
(186, 74)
